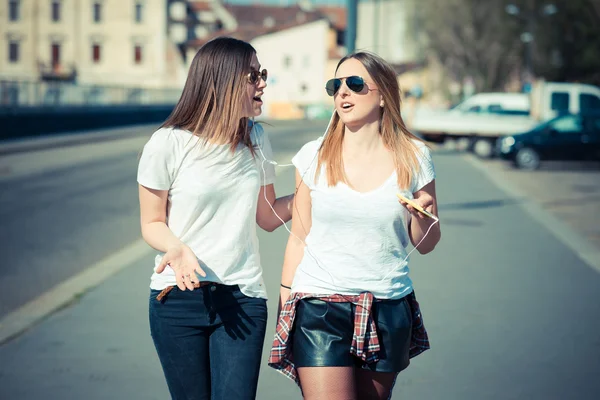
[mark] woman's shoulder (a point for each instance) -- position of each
(312, 146)
(170, 134)
(305, 158)
(169, 138)
(257, 131)
(423, 150)
(421, 145)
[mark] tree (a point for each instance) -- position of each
(567, 42)
(481, 40)
(472, 38)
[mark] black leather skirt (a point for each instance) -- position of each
(323, 331)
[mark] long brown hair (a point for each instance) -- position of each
(213, 98)
(393, 131)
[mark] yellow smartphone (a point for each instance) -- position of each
(416, 206)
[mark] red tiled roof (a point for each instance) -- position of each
(256, 14)
(200, 5)
(337, 16)
(246, 33)
(251, 20)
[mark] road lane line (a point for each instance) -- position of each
(578, 243)
(28, 315)
(64, 293)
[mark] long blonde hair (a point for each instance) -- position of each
(393, 131)
(213, 98)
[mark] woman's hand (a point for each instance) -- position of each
(424, 235)
(185, 264)
(425, 200)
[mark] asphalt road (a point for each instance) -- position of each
(512, 312)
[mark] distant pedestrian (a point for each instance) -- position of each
(349, 320)
(203, 187)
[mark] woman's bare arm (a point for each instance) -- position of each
(265, 218)
(294, 251)
(426, 198)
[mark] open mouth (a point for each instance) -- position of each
(347, 106)
(257, 99)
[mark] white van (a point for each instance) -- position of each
(551, 99)
(496, 103)
(484, 117)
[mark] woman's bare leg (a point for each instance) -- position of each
(327, 383)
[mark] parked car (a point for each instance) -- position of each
(485, 117)
(480, 119)
(567, 137)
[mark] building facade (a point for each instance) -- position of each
(296, 59)
(387, 27)
(89, 42)
(298, 44)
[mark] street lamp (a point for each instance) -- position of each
(527, 37)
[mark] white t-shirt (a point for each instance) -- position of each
(213, 195)
(357, 241)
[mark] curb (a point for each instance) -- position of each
(74, 138)
(36, 310)
(62, 295)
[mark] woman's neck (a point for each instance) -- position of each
(365, 139)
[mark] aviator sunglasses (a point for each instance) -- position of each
(354, 83)
(255, 75)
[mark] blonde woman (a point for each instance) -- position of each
(202, 191)
(351, 321)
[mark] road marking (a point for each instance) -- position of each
(28, 315)
(578, 243)
(74, 138)
(61, 295)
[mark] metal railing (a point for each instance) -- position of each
(35, 94)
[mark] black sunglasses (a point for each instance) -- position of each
(354, 83)
(255, 75)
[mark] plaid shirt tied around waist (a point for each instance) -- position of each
(365, 342)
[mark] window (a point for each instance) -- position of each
(55, 55)
(55, 10)
(13, 51)
(589, 102)
(96, 53)
(139, 12)
(137, 54)
(560, 101)
(495, 109)
(498, 109)
(97, 12)
(567, 124)
(592, 125)
(306, 61)
(13, 10)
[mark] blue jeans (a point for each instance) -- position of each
(209, 341)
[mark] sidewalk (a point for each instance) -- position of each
(97, 348)
(564, 196)
(74, 138)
